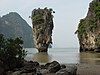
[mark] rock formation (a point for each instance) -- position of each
(89, 28)
(42, 20)
(12, 25)
(34, 68)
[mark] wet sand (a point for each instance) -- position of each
(88, 69)
(85, 69)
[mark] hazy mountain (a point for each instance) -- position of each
(13, 25)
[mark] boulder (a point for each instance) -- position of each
(54, 67)
(69, 70)
(30, 64)
(33, 68)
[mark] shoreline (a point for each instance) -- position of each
(82, 68)
(87, 69)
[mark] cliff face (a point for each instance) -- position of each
(89, 28)
(42, 20)
(13, 25)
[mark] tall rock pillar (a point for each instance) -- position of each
(42, 20)
(89, 28)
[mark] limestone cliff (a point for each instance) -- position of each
(42, 20)
(89, 28)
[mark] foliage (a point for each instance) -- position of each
(81, 28)
(87, 24)
(11, 51)
(97, 9)
(38, 19)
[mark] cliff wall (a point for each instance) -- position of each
(89, 28)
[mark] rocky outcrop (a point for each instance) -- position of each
(89, 28)
(34, 68)
(42, 20)
(12, 25)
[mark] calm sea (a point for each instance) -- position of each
(63, 55)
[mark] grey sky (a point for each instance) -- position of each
(66, 19)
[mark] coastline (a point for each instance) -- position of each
(82, 69)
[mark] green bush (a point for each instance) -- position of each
(38, 19)
(97, 9)
(11, 51)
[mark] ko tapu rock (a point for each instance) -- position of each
(42, 20)
(89, 28)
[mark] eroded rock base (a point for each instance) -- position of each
(34, 68)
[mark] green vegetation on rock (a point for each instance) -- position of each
(89, 28)
(38, 19)
(97, 9)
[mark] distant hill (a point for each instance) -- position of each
(13, 25)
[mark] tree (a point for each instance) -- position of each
(11, 51)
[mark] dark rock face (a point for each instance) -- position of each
(34, 68)
(42, 20)
(12, 25)
(54, 67)
(89, 28)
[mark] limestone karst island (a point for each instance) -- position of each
(25, 49)
(89, 29)
(42, 20)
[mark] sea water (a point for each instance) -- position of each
(63, 55)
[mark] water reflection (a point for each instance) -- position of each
(42, 57)
(90, 57)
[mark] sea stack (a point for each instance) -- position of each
(89, 28)
(42, 20)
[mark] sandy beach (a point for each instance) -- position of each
(88, 69)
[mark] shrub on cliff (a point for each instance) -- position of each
(38, 19)
(11, 51)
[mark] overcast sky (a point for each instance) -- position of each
(66, 19)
